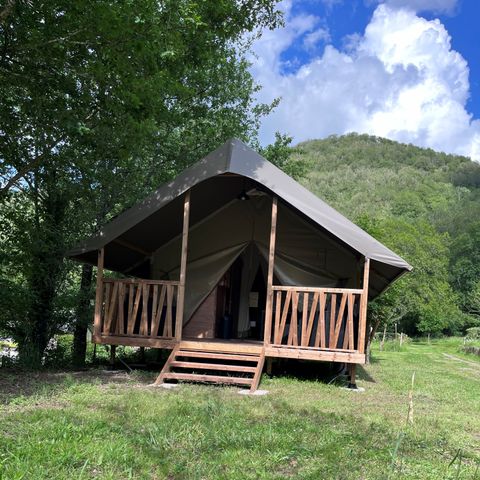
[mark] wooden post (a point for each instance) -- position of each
(269, 362)
(362, 324)
(271, 257)
(352, 373)
(382, 343)
(183, 268)
(113, 350)
(97, 321)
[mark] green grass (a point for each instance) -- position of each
(112, 426)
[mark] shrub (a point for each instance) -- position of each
(473, 333)
(58, 353)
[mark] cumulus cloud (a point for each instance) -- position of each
(400, 79)
(435, 6)
(312, 39)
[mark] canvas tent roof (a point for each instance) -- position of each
(133, 236)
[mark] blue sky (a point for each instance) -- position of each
(404, 69)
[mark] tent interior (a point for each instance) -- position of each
(228, 239)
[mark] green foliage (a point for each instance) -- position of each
(417, 202)
(280, 154)
(473, 333)
(101, 104)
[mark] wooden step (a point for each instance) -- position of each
(208, 378)
(179, 366)
(218, 356)
(212, 366)
(224, 346)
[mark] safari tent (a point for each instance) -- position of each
(233, 262)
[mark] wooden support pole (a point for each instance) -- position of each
(183, 268)
(113, 349)
(269, 365)
(97, 320)
(362, 324)
(271, 258)
(352, 373)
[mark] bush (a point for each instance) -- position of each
(58, 353)
(473, 333)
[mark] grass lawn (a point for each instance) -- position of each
(60, 425)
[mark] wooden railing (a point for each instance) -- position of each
(323, 318)
(138, 308)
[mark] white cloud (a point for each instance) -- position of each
(435, 6)
(319, 35)
(400, 79)
(329, 4)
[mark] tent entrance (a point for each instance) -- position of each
(235, 307)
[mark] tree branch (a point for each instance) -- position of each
(6, 10)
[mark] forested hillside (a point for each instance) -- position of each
(422, 204)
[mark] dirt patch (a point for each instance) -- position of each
(453, 357)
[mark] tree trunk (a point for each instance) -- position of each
(83, 318)
(46, 250)
(37, 328)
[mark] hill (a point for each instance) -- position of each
(423, 204)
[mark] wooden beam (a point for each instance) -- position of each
(207, 378)
(128, 281)
(212, 366)
(224, 347)
(300, 289)
(217, 355)
(258, 373)
(166, 366)
(183, 268)
(362, 324)
(313, 354)
(133, 247)
(135, 341)
(271, 258)
(97, 320)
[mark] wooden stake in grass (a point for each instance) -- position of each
(401, 339)
(382, 343)
(410, 402)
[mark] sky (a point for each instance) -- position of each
(408, 70)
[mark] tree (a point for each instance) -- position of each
(422, 301)
(465, 265)
(102, 102)
(280, 153)
(420, 203)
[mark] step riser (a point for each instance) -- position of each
(229, 347)
(213, 366)
(218, 356)
(208, 378)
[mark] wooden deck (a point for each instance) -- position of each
(301, 322)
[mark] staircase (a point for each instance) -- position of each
(226, 363)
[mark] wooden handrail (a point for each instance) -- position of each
(140, 280)
(298, 288)
(137, 307)
(318, 317)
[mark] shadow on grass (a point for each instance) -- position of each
(364, 375)
(15, 382)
